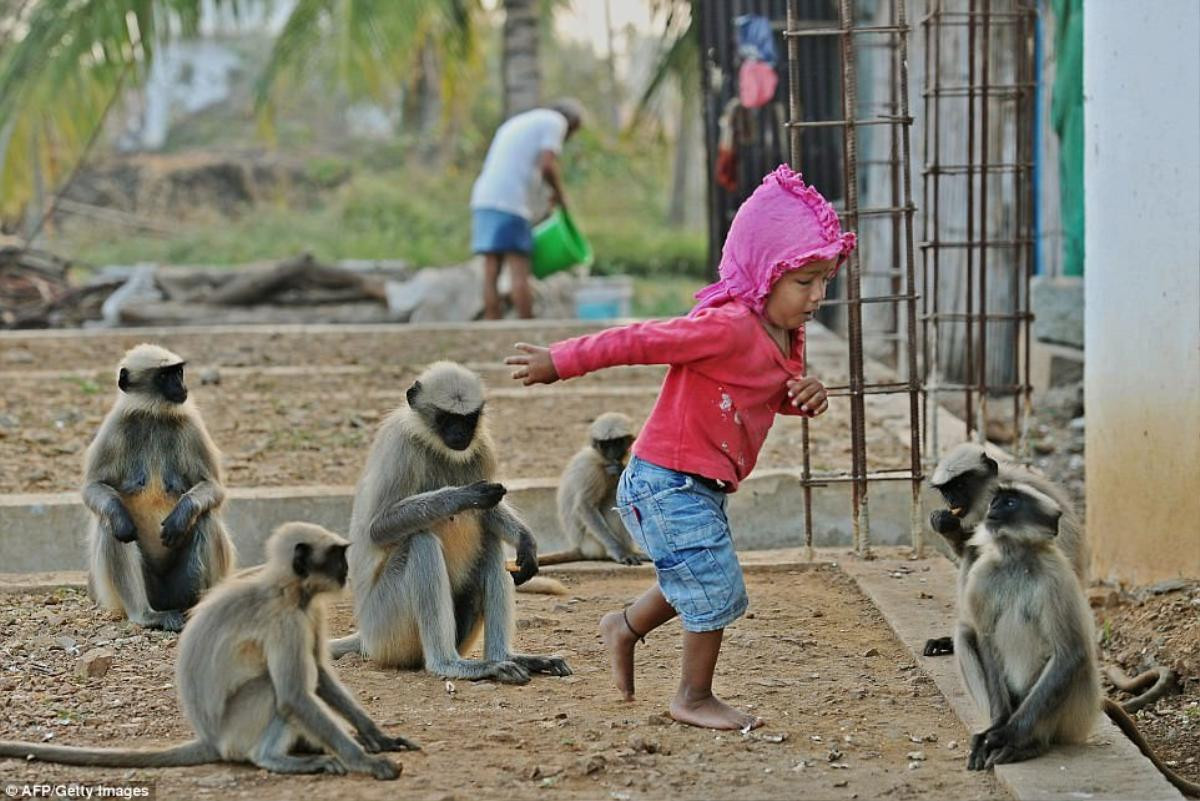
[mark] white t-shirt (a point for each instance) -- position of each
(510, 178)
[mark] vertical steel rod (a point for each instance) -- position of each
(860, 512)
(793, 47)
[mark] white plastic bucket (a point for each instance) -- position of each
(604, 298)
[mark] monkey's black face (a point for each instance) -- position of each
(961, 492)
(613, 451)
(457, 430)
(1011, 508)
(168, 382)
(307, 561)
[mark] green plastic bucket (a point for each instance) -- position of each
(558, 245)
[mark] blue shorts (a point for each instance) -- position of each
(495, 231)
(682, 526)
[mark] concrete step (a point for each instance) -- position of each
(48, 532)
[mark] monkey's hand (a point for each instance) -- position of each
(978, 758)
(484, 494)
(119, 522)
(376, 741)
(179, 522)
(939, 646)
(627, 557)
(944, 522)
(527, 561)
(1001, 745)
(380, 767)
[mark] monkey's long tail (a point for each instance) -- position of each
(194, 752)
(555, 558)
(1160, 680)
(1126, 724)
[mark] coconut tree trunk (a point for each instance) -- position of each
(685, 143)
(522, 77)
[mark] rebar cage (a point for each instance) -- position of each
(978, 216)
(875, 277)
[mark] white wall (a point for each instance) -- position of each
(1142, 292)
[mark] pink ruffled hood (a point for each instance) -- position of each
(783, 226)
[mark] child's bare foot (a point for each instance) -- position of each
(620, 641)
(710, 712)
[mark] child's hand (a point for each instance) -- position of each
(536, 366)
(808, 394)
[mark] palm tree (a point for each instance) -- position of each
(678, 64)
(64, 63)
(520, 66)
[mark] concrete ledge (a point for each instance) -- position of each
(48, 532)
(1108, 766)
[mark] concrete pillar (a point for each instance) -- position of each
(1142, 287)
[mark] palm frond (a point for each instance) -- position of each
(677, 62)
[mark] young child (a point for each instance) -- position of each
(736, 360)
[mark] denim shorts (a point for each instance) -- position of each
(681, 525)
(495, 231)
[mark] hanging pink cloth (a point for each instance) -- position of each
(783, 226)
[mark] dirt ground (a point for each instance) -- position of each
(848, 713)
(302, 427)
(1158, 625)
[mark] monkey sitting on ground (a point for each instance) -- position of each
(252, 675)
(967, 477)
(152, 481)
(427, 564)
(1025, 637)
(587, 497)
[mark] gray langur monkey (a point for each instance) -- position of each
(253, 679)
(587, 496)
(427, 564)
(966, 478)
(1025, 638)
(152, 481)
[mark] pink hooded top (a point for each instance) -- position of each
(728, 378)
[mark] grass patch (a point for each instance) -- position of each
(393, 207)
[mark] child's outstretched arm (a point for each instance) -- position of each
(676, 341)
(534, 367)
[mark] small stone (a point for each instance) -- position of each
(1103, 597)
(871, 652)
(952, 745)
(18, 356)
(916, 756)
(841, 783)
(586, 766)
(1079, 424)
(1170, 585)
(95, 663)
(210, 376)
